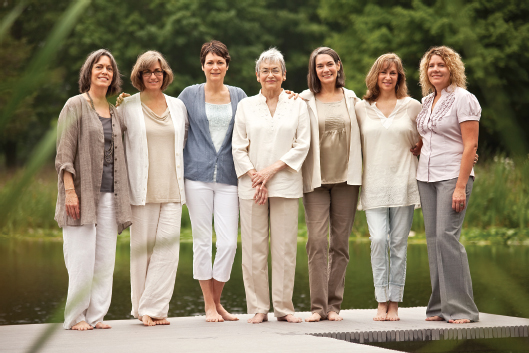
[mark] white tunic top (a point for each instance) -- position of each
(219, 118)
(390, 168)
(260, 140)
(442, 148)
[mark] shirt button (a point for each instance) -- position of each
(116, 194)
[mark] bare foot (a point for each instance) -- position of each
(225, 314)
(289, 318)
(82, 326)
(102, 325)
(213, 316)
(147, 321)
(435, 318)
(315, 317)
(333, 316)
(258, 318)
(382, 312)
(161, 322)
(393, 312)
(460, 321)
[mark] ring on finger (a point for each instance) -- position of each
(461, 204)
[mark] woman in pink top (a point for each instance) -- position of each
(449, 125)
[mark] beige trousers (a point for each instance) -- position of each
(334, 205)
(279, 217)
(154, 250)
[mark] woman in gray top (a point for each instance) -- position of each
(93, 198)
(210, 179)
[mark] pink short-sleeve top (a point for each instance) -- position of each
(441, 133)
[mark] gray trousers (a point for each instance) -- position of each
(452, 296)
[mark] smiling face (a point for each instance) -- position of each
(214, 67)
(388, 78)
(102, 72)
(326, 69)
(153, 77)
(438, 73)
(270, 75)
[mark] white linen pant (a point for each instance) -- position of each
(276, 220)
(389, 227)
(205, 200)
(154, 251)
(89, 255)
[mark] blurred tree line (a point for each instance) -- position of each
(491, 35)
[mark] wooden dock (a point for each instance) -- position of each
(193, 334)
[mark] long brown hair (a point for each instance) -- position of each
(312, 78)
(85, 74)
(384, 62)
(452, 60)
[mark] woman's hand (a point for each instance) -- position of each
(459, 199)
(72, 204)
(416, 150)
(292, 94)
(264, 175)
(261, 194)
(121, 97)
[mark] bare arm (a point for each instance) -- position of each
(469, 133)
(71, 201)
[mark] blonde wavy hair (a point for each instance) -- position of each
(453, 62)
(383, 63)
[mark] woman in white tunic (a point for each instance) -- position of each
(154, 140)
(332, 174)
(389, 190)
(270, 142)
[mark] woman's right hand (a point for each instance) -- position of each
(121, 97)
(72, 204)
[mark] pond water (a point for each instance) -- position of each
(33, 281)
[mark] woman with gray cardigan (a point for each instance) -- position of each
(210, 178)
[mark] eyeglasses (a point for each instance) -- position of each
(275, 71)
(148, 73)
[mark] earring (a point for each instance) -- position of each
(338, 75)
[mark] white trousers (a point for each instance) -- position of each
(89, 255)
(154, 251)
(389, 228)
(221, 201)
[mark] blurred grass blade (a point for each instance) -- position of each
(8, 21)
(41, 155)
(35, 74)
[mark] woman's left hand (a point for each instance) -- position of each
(264, 175)
(459, 199)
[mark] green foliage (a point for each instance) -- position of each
(491, 36)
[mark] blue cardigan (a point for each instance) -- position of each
(200, 155)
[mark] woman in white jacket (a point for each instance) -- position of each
(332, 174)
(154, 140)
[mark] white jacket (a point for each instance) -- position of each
(311, 167)
(136, 150)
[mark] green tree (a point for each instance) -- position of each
(491, 36)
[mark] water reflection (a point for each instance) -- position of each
(34, 281)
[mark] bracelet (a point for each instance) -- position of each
(69, 189)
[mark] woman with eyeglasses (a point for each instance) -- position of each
(154, 140)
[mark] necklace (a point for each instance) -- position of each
(109, 153)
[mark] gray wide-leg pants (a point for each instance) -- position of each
(452, 296)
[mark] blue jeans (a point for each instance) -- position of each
(389, 227)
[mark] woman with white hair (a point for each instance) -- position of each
(271, 139)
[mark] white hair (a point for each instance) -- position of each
(271, 55)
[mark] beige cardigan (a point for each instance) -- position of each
(311, 168)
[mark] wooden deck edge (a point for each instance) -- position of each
(458, 333)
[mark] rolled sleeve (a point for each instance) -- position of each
(67, 137)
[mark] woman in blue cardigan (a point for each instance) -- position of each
(210, 178)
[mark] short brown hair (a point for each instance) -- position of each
(312, 78)
(85, 74)
(452, 60)
(217, 48)
(144, 62)
(384, 62)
